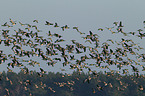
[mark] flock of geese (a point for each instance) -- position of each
(102, 54)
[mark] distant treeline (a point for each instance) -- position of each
(76, 84)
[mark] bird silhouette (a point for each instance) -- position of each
(48, 23)
(35, 21)
(120, 24)
(56, 25)
(13, 23)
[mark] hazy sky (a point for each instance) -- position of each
(86, 14)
